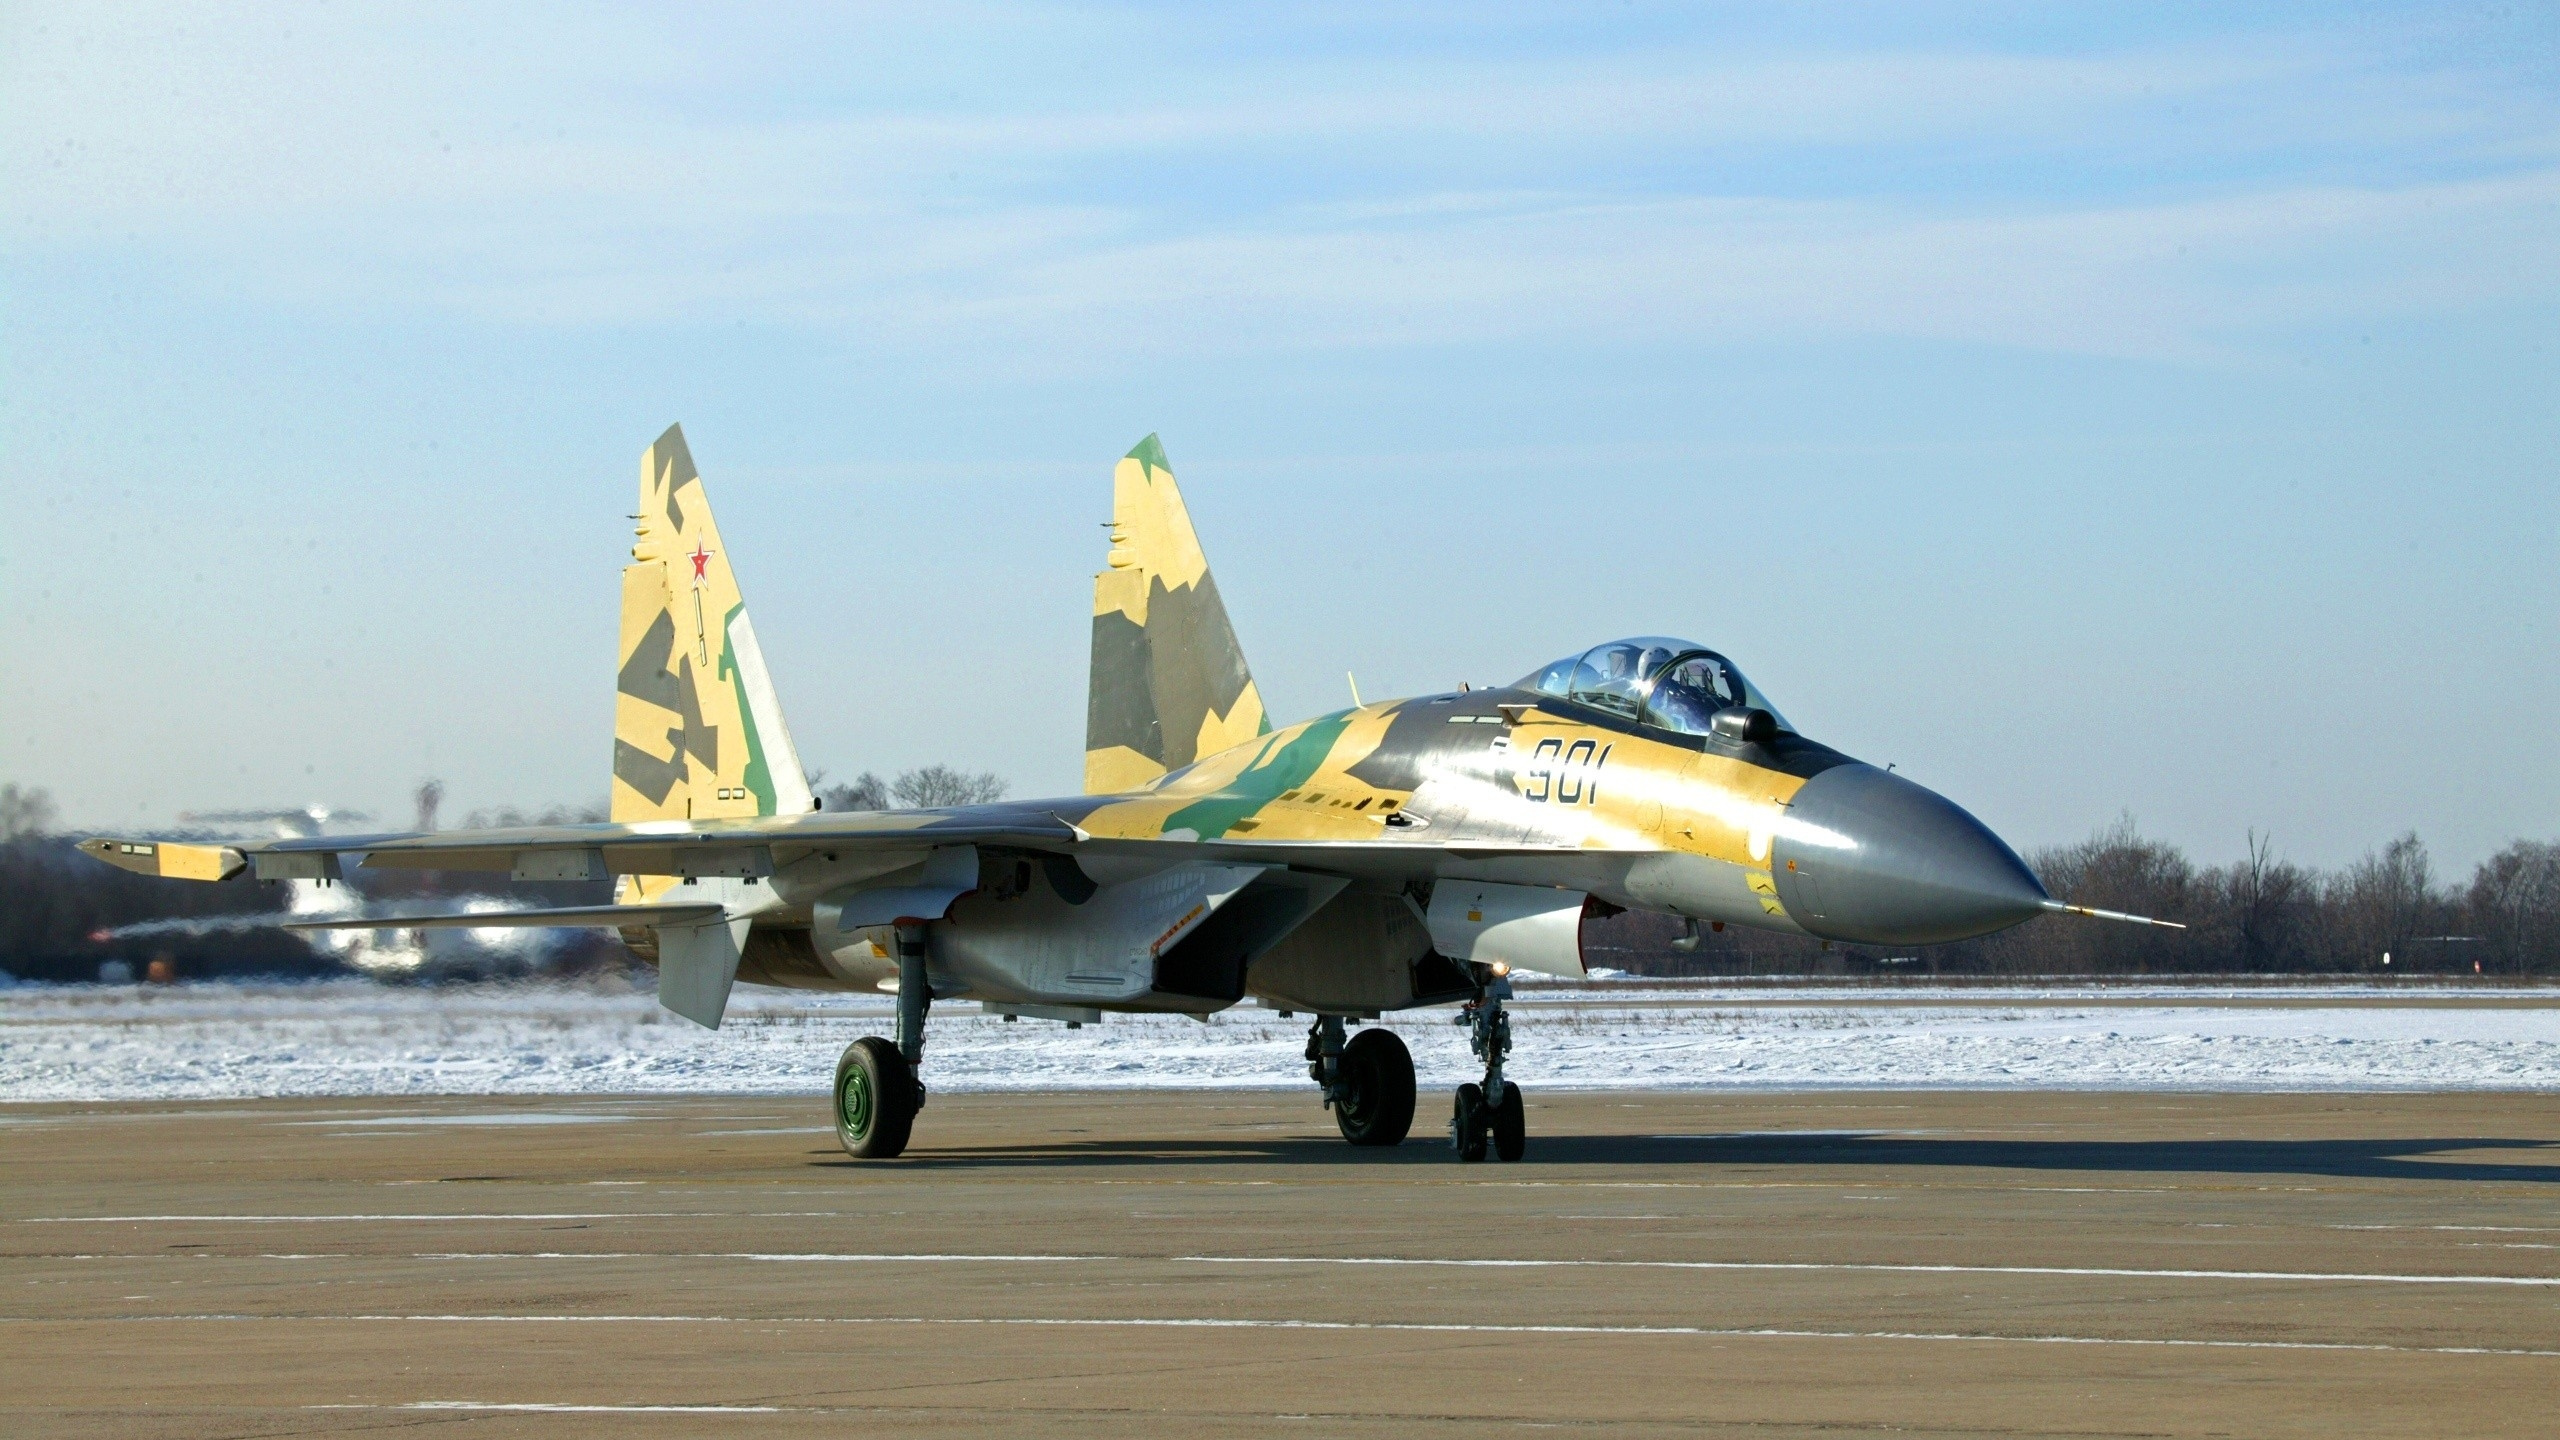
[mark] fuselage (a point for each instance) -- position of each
(1514, 787)
(1783, 834)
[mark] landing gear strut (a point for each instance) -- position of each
(1368, 1083)
(878, 1090)
(1489, 1115)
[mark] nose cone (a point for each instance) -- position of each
(1868, 856)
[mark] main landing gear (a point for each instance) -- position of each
(1368, 1083)
(878, 1090)
(1490, 1114)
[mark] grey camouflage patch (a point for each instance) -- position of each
(1151, 688)
(645, 678)
(675, 469)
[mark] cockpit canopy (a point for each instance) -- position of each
(1675, 685)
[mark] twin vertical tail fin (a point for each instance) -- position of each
(1169, 681)
(698, 733)
(698, 730)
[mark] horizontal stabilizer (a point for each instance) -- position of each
(572, 917)
(697, 965)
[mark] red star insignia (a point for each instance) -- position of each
(700, 557)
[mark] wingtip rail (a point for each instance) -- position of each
(171, 859)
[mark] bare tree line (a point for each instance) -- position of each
(925, 787)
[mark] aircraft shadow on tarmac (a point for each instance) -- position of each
(2399, 1158)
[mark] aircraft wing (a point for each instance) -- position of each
(764, 846)
(751, 846)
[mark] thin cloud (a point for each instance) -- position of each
(625, 178)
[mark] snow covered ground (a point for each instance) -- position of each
(210, 1040)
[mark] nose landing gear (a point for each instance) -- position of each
(1491, 1115)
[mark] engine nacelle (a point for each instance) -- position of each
(1037, 930)
(1057, 938)
(854, 929)
(1521, 927)
(1363, 953)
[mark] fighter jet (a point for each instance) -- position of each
(1394, 854)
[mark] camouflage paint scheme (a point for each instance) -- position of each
(1370, 806)
(1169, 680)
(691, 677)
(698, 733)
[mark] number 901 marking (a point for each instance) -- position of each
(1564, 774)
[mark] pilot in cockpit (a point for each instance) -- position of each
(1623, 670)
(1688, 696)
(1673, 685)
(1627, 668)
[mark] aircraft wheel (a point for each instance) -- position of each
(1510, 1124)
(875, 1099)
(1373, 1100)
(1467, 1123)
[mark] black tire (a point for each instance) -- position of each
(1466, 1123)
(875, 1099)
(1373, 1097)
(1510, 1124)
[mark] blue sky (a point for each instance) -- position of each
(2142, 409)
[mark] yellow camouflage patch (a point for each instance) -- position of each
(1151, 539)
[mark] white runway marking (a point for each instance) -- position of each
(1384, 1326)
(565, 1409)
(2466, 1229)
(477, 1215)
(856, 1257)
(386, 1122)
(2096, 1270)
(782, 1256)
